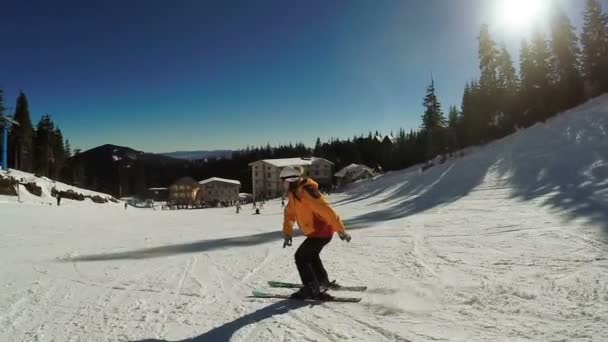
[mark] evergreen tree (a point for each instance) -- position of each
(488, 57)
(2, 108)
(453, 117)
(594, 40)
(565, 62)
(465, 133)
(44, 140)
(432, 119)
(541, 57)
(527, 88)
(474, 119)
(21, 137)
(488, 87)
(317, 150)
(507, 88)
(58, 148)
(433, 122)
(453, 125)
(68, 149)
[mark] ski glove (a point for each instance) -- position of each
(287, 241)
(345, 237)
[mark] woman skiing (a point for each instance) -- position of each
(318, 222)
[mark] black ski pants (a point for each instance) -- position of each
(309, 263)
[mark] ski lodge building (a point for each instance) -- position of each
(220, 190)
(265, 174)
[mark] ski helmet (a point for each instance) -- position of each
(290, 174)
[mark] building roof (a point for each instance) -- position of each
(390, 138)
(217, 179)
(156, 189)
(357, 169)
(291, 161)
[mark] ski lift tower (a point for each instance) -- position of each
(6, 122)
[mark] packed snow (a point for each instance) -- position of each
(507, 243)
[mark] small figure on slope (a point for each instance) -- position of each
(317, 220)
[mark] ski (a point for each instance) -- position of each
(262, 294)
(288, 285)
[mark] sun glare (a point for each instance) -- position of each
(521, 14)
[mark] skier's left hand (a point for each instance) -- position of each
(345, 237)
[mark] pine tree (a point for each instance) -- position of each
(507, 88)
(68, 149)
(2, 108)
(527, 88)
(454, 126)
(44, 153)
(58, 148)
(541, 57)
(453, 117)
(488, 57)
(594, 40)
(465, 134)
(21, 137)
(565, 62)
(488, 87)
(317, 150)
(432, 119)
(433, 122)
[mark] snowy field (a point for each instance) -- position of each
(509, 243)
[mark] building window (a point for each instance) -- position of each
(268, 174)
(256, 173)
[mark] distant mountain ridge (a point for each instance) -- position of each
(198, 155)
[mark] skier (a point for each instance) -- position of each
(317, 220)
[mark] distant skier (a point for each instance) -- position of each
(257, 211)
(59, 198)
(282, 203)
(317, 220)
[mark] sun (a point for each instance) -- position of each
(518, 15)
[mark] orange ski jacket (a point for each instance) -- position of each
(314, 215)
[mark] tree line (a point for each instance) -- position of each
(42, 149)
(556, 72)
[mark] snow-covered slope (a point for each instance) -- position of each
(508, 243)
(46, 185)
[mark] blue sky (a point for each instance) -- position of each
(161, 76)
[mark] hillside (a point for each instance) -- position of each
(47, 186)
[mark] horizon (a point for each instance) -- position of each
(220, 76)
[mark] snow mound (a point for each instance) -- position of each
(48, 187)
